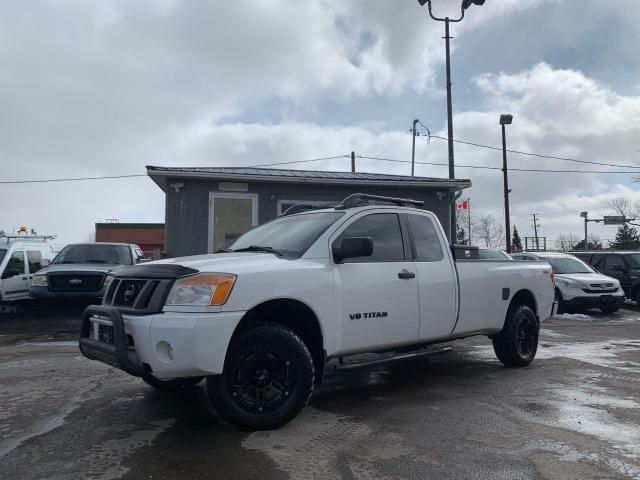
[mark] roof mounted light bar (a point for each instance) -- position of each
(26, 237)
(362, 199)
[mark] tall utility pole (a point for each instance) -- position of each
(536, 226)
(506, 119)
(465, 4)
(353, 162)
(585, 215)
(413, 146)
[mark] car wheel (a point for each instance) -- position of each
(609, 309)
(173, 385)
(267, 379)
(561, 307)
(516, 345)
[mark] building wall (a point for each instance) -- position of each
(149, 237)
(187, 211)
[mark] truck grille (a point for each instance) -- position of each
(75, 282)
(601, 285)
(137, 295)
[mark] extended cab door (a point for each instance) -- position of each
(14, 282)
(377, 296)
(438, 289)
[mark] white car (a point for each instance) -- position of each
(578, 285)
(21, 256)
(261, 319)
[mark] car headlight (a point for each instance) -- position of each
(572, 284)
(39, 281)
(202, 289)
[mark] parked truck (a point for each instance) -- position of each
(261, 319)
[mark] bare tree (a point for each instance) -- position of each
(623, 207)
(566, 242)
(488, 230)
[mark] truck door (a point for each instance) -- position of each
(377, 296)
(15, 284)
(437, 284)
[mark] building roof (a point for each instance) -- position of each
(161, 176)
(126, 226)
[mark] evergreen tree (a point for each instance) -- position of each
(461, 237)
(516, 242)
(627, 238)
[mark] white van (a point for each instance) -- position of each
(20, 257)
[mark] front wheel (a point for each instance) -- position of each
(173, 385)
(266, 381)
(516, 345)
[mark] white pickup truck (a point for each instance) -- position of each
(261, 319)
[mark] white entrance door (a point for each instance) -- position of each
(230, 215)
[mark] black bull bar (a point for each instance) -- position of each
(114, 354)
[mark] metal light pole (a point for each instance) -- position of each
(465, 4)
(413, 147)
(585, 215)
(506, 119)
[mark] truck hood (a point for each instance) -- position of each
(78, 267)
(587, 278)
(231, 262)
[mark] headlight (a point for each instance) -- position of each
(39, 281)
(202, 289)
(572, 284)
(107, 281)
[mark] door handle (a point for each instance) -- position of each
(24, 278)
(406, 274)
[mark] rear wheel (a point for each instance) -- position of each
(266, 381)
(173, 385)
(516, 345)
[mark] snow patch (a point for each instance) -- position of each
(580, 317)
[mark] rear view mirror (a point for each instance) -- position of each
(352, 247)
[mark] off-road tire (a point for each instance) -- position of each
(516, 345)
(173, 385)
(609, 310)
(267, 379)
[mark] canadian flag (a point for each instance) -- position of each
(464, 205)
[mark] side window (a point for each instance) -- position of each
(15, 265)
(384, 230)
(426, 238)
(614, 262)
(35, 260)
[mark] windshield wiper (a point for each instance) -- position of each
(223, 250)
(259, 248)
(101, 261)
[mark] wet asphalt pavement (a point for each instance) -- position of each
(573, 414)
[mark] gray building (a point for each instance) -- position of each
(208, 208)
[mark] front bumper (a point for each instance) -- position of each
(168, 345)
(595, 301)
(44, 292)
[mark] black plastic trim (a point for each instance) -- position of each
(154, 271)
(115, 355)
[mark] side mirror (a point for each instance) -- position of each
(45, 262)
(352, 247)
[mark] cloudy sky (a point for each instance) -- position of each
(91, 88)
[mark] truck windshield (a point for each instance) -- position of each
(562, 265)
(95, 253)
(290, 236)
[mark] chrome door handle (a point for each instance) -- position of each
(406, 274)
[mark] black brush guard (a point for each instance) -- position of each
(115, 354)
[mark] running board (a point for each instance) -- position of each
(393, 358)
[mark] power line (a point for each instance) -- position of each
(538, 155)
(76, 179)
(299, 161)
(482, 167)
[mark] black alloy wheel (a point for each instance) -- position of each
(516, 345)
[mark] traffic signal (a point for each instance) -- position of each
(467, 3)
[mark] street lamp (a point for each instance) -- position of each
(585, 215)
(463, 7)
(506, 119)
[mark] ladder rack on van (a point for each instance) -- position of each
(27, 237)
